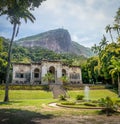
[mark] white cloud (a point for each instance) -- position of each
(84, 19)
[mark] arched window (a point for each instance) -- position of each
(36, 73)
(52, 70)
(63, 72)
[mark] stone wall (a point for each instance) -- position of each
(33, 73)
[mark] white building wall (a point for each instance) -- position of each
(20, 68)
(44, 67)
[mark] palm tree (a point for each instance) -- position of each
(112, 73)
(117, 17)
(15, 10)
(64, 79)
(108, 29)
(116, 27)
(103, 42)
(49, 77)
(115, 69)
(95, 49)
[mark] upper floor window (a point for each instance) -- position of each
(19, 75)
(74, 76)
(36, 73)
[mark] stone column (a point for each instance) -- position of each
(59, 74)
(55, 76)
(43, 72)
(80, 77)
(31, 75)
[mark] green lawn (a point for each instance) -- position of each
(36, 98)
(26, 99)
(94, 94)
(16, 95)
(26, 94)
(27, 105)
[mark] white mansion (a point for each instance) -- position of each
(33, 73)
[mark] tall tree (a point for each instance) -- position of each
(16, 10)
(116, 27)
(115, 68)
(3, 60)
(103, 42)
(117, 17)
(95, 49)
(108, 29)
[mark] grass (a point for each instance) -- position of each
(94, 94)
(30, 104)
(19, 116)
(26, 99)
(26, 94)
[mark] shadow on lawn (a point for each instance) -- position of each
(10, 102)
(17, 116)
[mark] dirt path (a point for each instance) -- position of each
(80, 120)
(71, 119)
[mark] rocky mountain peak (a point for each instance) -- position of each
(58, 40)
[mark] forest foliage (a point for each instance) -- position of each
(105, 66)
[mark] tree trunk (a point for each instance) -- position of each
(118, 85)
(113, 81)
(111, 36)
(6, 97)
(118, 33)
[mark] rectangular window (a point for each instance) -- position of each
(17, 75)
(21, 75)
(36, 75)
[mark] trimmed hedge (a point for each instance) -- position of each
(68, 103)
(82, 86)
(90, 104)
(26, 87)
(46, 87)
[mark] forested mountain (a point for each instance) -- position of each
(58, 40)
(26, 54)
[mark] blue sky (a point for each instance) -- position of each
(84, 19)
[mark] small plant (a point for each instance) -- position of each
(62, 98)
(64, 80)
(108, 104)
(79, 97)
(68, 103)
(90, 104)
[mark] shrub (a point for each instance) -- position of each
(108, 86)
(108, 104)
(90, 104)
(62, 97)
(94, 101)
(79, 97)
(68, 103)
(26, 87)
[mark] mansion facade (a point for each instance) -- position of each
(33, 73)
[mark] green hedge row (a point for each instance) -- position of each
(46, 87)
(81, 87)
(26, 87)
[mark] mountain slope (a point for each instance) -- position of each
(58, 40)
(81, 50)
